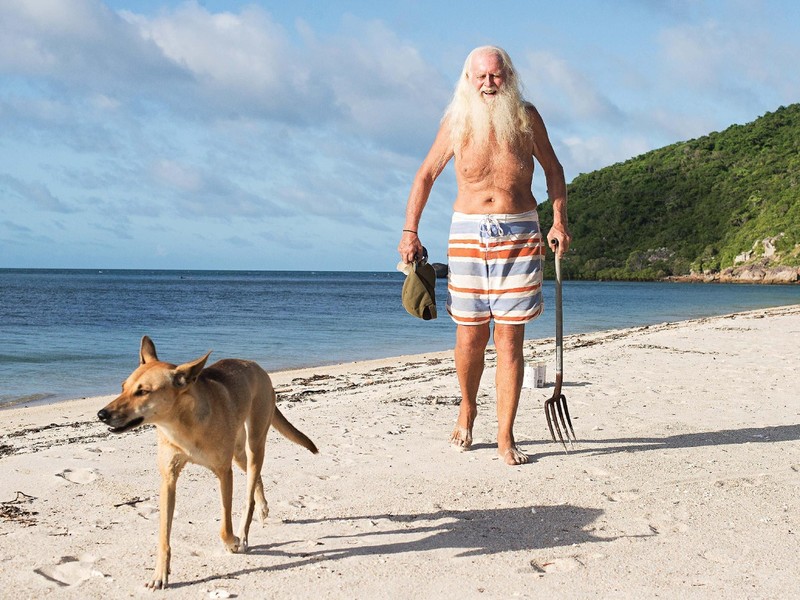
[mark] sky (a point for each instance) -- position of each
(268, 135)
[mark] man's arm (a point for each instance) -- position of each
(438, 156)
(556, 184)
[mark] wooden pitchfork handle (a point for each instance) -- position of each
(555, 409)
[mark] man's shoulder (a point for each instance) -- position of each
(529, 106)
(533, 114)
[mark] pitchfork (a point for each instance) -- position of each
(558, 402)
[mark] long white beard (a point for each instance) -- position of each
(496, 115)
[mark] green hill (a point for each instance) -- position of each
(698, 207)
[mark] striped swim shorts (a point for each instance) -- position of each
(495, 268)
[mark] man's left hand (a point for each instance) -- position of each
(559, 238)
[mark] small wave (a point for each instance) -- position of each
(40, 359)
(9, 401)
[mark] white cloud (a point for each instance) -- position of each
(695, 54)
(105, 103)
(33, 193)
(245, 51)
(557, 85)
(586, 154)
(237, 119)
(15, 227)
(181, 177)
(239, 64)
(79, 44)
(197, 64)
(202, 192)
(382, 82)
(674, 125)
(744, 64)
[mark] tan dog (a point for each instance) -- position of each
(211, 417)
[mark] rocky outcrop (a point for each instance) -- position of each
(767, 250)
(752, 273)
(758, 274)
(440, 269)
(760, 264)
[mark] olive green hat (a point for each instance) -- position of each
(419, 290)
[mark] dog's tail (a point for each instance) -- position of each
(292, 433)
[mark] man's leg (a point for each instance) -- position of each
(471, 343)
(508, 340)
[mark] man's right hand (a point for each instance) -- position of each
(410, 247)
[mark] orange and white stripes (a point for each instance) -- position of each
(495, 268)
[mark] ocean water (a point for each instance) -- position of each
(75, 333)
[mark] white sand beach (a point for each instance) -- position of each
(685, 483)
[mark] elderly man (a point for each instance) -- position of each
(495, 248)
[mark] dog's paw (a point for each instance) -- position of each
(263, 513)
(236, 546)
(159, 582)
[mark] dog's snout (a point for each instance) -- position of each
(103, 415)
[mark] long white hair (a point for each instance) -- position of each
(472, 120)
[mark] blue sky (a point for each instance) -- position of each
(285, 135)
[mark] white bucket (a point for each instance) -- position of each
(528, 377)
(541, 374)
(534, 376)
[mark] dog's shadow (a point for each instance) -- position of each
(470, 532)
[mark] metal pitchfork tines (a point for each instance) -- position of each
(558, 402)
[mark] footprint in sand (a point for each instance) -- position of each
(557, 565)
(70, 570)
(623, 496)
(79, 475)
(600, 473)
(148, 511)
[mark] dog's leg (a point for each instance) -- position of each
(261, 506)
(261, 502)
(170, 466)
(232, 543)
(255, 460)
(240, 458)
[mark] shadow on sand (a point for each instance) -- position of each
(492, 531)
(725, 437)
(470, 532)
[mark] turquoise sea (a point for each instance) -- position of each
(75, 333)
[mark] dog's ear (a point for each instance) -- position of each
(188, 373)
(147, 351)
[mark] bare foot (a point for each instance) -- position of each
(513, 456)
(461, 438)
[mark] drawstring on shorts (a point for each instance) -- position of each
(490, 227)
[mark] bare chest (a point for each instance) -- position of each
(492, 165)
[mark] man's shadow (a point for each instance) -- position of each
(469, 532)
(492, 531)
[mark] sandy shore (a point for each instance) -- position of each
(686, 483)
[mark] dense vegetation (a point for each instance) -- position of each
(693, 206)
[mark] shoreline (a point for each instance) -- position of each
(685, 481)
(291, 385)
(46, 363)
(55, 399)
